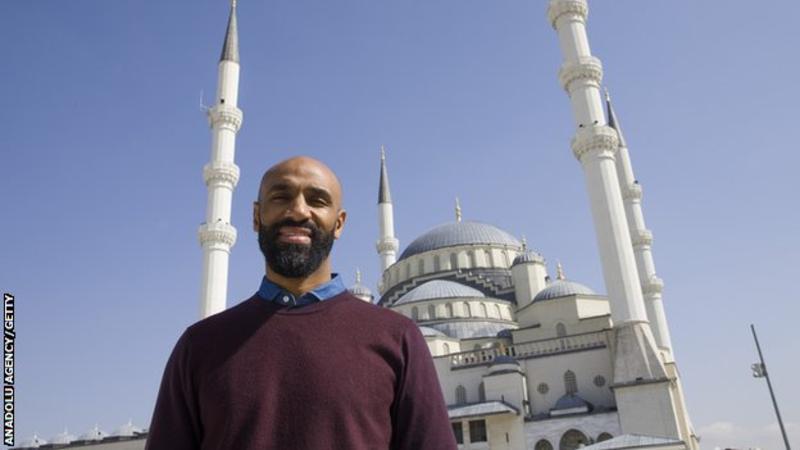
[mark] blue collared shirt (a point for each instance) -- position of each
(272, 292)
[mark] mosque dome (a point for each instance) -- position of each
(95, 434)
(435, 289)
(129, 429)
(562, 288)
(505, 359)
(359, 290)
(528, 256)
(431, 332)
(460, 233)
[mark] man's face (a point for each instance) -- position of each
(298, 216)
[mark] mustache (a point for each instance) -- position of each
(307, 224)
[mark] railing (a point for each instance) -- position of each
(531, 349)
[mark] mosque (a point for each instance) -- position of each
(526, 359)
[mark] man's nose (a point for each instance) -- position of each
(298, 209)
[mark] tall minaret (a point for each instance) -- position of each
(387, 245)
(641, 237)
(643, 390)
(217, 235)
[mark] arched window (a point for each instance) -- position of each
(561, 330)
(487, 258)
(499, 312)
(472, 261)
(481, 392)
(570, 382)
(477, 347)
(408, 271)
(446, 348)
(414, 313)
(572, 440)
(437, 263)
(461, 395)
(448, 308)
(484, 311)
(543, 444)
(431, 312)
(506, 258)
(467, 311)
(453, 261)
(421, 266)
(604, 437)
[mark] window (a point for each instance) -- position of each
(543, 444)
(471, 258)
(446, 348)
(415, 313)
(481, 392)
(448, 308)
(453, 261)
(572, 439)
(458, 432)
(477, 431)
(498, 311)
(437, 263)
(543, 388)
(570, 383)
(484, 311)
(431, 312)
(421, 267)
(604, 437)
(467, 312)
(461, 395)
(408, 271)
(561, 330)
(599, 381)
(506, 258)
(488, 258)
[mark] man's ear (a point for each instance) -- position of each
(256, 220)
(340, 219)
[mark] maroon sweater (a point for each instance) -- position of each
(338, 374)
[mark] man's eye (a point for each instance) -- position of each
(279, 197)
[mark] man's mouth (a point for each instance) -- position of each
(294, 235)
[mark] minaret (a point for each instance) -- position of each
(643, 391)
(217, 235)
(641, 238)
(387, 245)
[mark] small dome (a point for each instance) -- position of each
(129, 429)
(562, 288)
(439, 289)
(62, 438)
(359, 290)
(570, 401)
(34, 442)
(459, 233)
(528, 256)
(431, 332)
(506, 333)
(95, 434)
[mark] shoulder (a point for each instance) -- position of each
(224, 322)
(378, 315)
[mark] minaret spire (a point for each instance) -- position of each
(221, 175)
(387, 245)
(560, 271)
(458, 210)
(641, 238)
(230, 47)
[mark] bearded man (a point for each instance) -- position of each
(302, 364)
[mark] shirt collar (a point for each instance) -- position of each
(272, 292)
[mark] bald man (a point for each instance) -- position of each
(302, 364)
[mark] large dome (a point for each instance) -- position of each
(562, 288)
(439, 289)
(460, 233)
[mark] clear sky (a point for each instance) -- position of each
(104, 143)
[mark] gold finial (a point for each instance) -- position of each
(458, 210)
(524, 243)
(358, 276)
(560, 271)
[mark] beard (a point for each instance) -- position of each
(294, 260)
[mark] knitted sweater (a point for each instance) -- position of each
(338, 374)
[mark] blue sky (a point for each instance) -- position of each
(104, 144)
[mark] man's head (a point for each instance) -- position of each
(298, 215)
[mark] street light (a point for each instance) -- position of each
(760, 371)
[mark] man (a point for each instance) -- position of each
(302, 364)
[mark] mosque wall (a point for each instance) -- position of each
(553, 430)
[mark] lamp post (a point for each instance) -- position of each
(760, 371)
